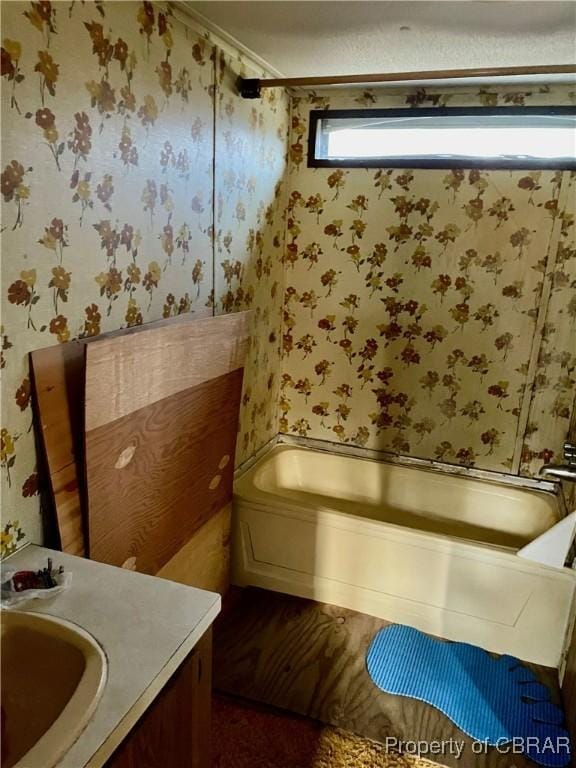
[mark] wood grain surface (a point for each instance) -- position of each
(179, 475)
(175, 730)
(129, 372)
(309, 658)
(58, 377)
(58, 385)
(204, 561)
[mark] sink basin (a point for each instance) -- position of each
(53, 674)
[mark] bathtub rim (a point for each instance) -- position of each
(551, 487)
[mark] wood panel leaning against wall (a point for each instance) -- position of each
(162, 449)
(206, 348)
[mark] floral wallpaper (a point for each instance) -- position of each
(428, 313)
(554, 384)
(251, 158)
(108, 130)
(415, 300)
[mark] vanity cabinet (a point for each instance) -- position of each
(569, 689)
(174, 732)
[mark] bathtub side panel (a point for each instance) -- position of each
(447, 588)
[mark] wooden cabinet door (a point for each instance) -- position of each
(174, 732)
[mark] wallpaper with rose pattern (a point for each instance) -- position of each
(108, 124)
(415, 299)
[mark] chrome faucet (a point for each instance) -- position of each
(565, 471)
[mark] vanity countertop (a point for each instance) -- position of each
(146, 626)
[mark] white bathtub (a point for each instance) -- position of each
(428, 549)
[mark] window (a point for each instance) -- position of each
(477, 137)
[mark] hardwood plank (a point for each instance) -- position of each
(130, 372)
(309, 658)
(175, 730)
(156, 475)
(204, 561)
(58, 381)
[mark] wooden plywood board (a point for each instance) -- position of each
(204, 561)
(156, 476)
(58, 379)
(58, 374)
(130, 372)
(161, 426)
(309, 658)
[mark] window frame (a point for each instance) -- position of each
(504, 163)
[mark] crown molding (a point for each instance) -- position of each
(188, 15)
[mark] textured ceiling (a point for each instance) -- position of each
(360, 36)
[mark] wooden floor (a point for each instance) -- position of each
(309, 658)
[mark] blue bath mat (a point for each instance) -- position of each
(493, 700)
